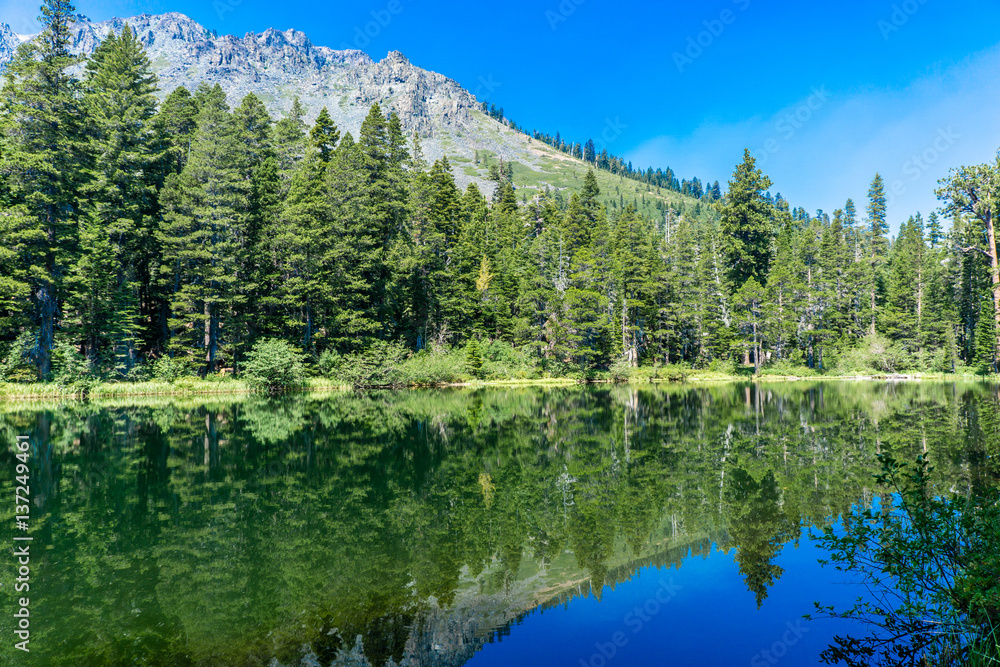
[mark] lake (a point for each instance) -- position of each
(606, 525)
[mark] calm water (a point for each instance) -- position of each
(582, 526)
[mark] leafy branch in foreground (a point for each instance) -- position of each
(930, 566)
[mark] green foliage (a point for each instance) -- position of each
(874, 354)
(168, 369)
(274, 365)
(196, 230)
(435, 365)
(69, 367)
(621, 371)
(17, 366)
(473, 358)
(986, 337)
(929, 557)
(747, 224)
(378, 365)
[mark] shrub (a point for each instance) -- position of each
(168, 369)
(273, 365)
(873, 353)
(437, 365)
(68, 365)
(501, 360)
(17, 366)
(723, 365)
(621, 370)
(380, 364)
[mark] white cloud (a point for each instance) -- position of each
(830, 151)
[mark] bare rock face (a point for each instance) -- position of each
(9, 41)
(277, 66)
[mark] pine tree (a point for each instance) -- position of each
(296, 299)
(877, 246)
(974, 191)
(177, 122)
(288, 139)
(747, 224)
(751, 309)
(125, 149)
(986, 357)
(203, 226)
(45, 160)
(324, 135)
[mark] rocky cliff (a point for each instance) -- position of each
(276, 66)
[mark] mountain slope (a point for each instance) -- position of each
(277, 66)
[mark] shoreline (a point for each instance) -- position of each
(230, 387)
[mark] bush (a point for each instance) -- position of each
(436, 365)
(621, 370)
(17, 366)
(379, 365)
(273, 365)
(503, 361)
(873, 354)
(725, 366)
(168, 369)
(69, 366)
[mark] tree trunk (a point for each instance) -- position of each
(46, 336)
(873, 299)
(995, 276)
(211, 338)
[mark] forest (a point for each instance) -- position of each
(141, 237)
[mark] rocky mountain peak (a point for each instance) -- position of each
(280, 65)
(395, 57)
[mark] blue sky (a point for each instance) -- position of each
(825, 94)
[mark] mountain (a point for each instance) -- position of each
(277, 66)
(9, 41)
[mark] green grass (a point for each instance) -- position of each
(443, 369)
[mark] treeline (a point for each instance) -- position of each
(132, 232)
(661, 178)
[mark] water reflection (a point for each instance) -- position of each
(414, 526)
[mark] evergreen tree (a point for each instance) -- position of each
(288, 138)
(176, 121)
(747, 224)
(324, 135)
(118, 233)
(204, 223)
(877, 246)
(45, 160)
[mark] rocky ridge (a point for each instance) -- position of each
(279, 65)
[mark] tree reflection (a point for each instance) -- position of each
(233, 532)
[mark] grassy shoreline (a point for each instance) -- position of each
(235, 387)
